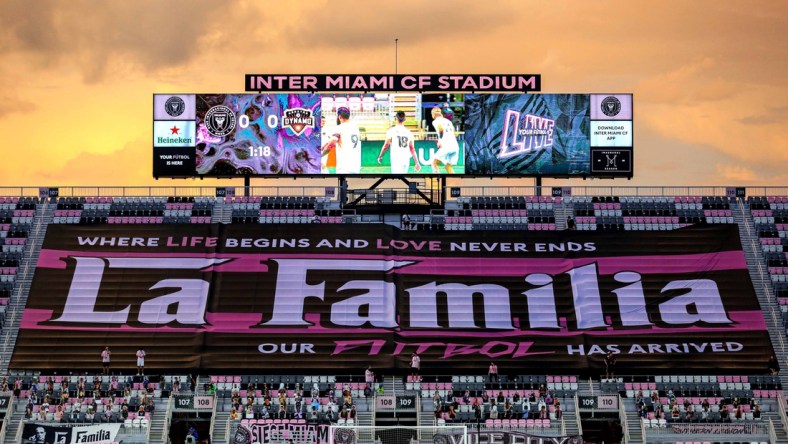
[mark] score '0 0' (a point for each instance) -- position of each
(260, 151)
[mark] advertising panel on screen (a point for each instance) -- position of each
(267, 297)
(546, 134)
(380, 134)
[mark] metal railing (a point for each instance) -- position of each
(781, 409)
(467, 191)
(165, 432)
(577, 417)
(622, 413)
(711, 429)
(213, 413)
(772, 432)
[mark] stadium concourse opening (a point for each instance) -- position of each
(288, 314)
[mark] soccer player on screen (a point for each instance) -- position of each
(403, 148)
(346, 138)
(448, 148)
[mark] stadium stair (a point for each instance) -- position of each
(633, 422)
(765, 292)
(221, 213)
(570, 419)
(760, 279)
(220, 428)
(18, 300)
(15, 421)
(562, 211)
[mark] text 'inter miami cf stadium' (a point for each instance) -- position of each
(381, 295)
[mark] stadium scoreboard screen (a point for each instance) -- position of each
(379, 134)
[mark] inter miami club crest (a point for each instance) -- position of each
(220, 121)
(298, 120)
(174, 106)
(611, 106)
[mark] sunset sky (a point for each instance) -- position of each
(709, 78)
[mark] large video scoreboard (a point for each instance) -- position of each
(379, 134)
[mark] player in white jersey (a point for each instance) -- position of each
(403, 147)
(324, 138)
(448, 148)
(346, 138)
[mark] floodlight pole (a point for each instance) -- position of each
(396, 55)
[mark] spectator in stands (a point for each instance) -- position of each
(540, 404)
(437, 411)
(671, 396)
(542, 391)
(176, 385)
(45, 403)
(352, 413)
(507, 410)
(90, 414)
(151, 406)
(736, 402)
(315, 219)
(192, 382)
(282, 397)
(774, 365)
(526, 409)
(28, 413)
(654, 396)
(492, 373)
(548, 399)
(113, 384)
(639, 397)
(543, 413)
(347, 399)
(124, 412)
(234, 414)
(436, 400)
(449, 396)
(675, 413)
(64, 396)
(105, 359)
(17, 387)
(570, 223)
(140, 362)
(500, 398)
(331, 416)
(4, 385)
(738, 413)
(369, 376)
(415, 366)
(405, 222)
(42, 414)
(558, 413)
(477, 409)
(642, 410)
(282, 412)
(756, 413)
(610, 364)
(452, 413)
(466, 397)
(315, 402)
(493, 412)
(689, 414)
(264, 413)
(74, 414)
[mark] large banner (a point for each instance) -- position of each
(34, 433)
(272, 297)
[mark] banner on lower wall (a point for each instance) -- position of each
(260, 298)
(34, 433)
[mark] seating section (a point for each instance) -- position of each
(517, 400)
(289, 399)
(535, 213)
(613, 213)
(279, 209)
(78, 400)
(133, 210)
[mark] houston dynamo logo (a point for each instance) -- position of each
(298, 120)
(220, 121)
